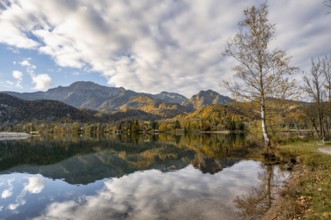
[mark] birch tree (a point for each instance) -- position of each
(261, 71)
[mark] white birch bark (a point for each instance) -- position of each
(266, 138)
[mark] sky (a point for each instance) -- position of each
(146, 45)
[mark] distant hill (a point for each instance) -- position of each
(215, 112)
(149, 105)
(205, 98)
(132, 114)
(14, 110)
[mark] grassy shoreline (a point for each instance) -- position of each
(307, 193)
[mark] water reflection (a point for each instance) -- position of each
(253, 204)
(85, 160)
(144, 177)
(150, 194)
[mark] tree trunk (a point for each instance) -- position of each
(267, 142)
(320, 121)
(315, 126)
(297, 128)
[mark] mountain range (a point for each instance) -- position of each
(81, 99)
(90, 95)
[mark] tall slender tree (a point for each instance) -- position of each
(318, 87)
(314, 86)
(326, 70)
(261, 70)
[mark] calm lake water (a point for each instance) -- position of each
(159, 177)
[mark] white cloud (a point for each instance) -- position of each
(13, 206)
(152, 45)
(17, 75)
(41, 81)
(35, 184)
(7, 193)
(30, 68)
(10, 83)
(25, 63)
(19, 202)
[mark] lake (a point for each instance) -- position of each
(205, 176)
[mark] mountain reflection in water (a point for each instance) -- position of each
(166, 178)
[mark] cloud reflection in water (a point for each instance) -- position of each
(184, 194)
(35, 184)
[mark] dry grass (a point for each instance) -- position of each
(309, 196)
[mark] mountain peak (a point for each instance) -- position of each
(170, 97)
(209, 91)
(207, 97)
(83, 83)
(86, 85)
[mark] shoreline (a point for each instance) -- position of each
(5, 136)
(278, 209)
(223, 132)
(305, 194)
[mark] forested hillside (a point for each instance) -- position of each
(14, 110)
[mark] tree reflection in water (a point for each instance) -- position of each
(142, 177)
(259, 199)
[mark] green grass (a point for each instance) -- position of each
(310, 196)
